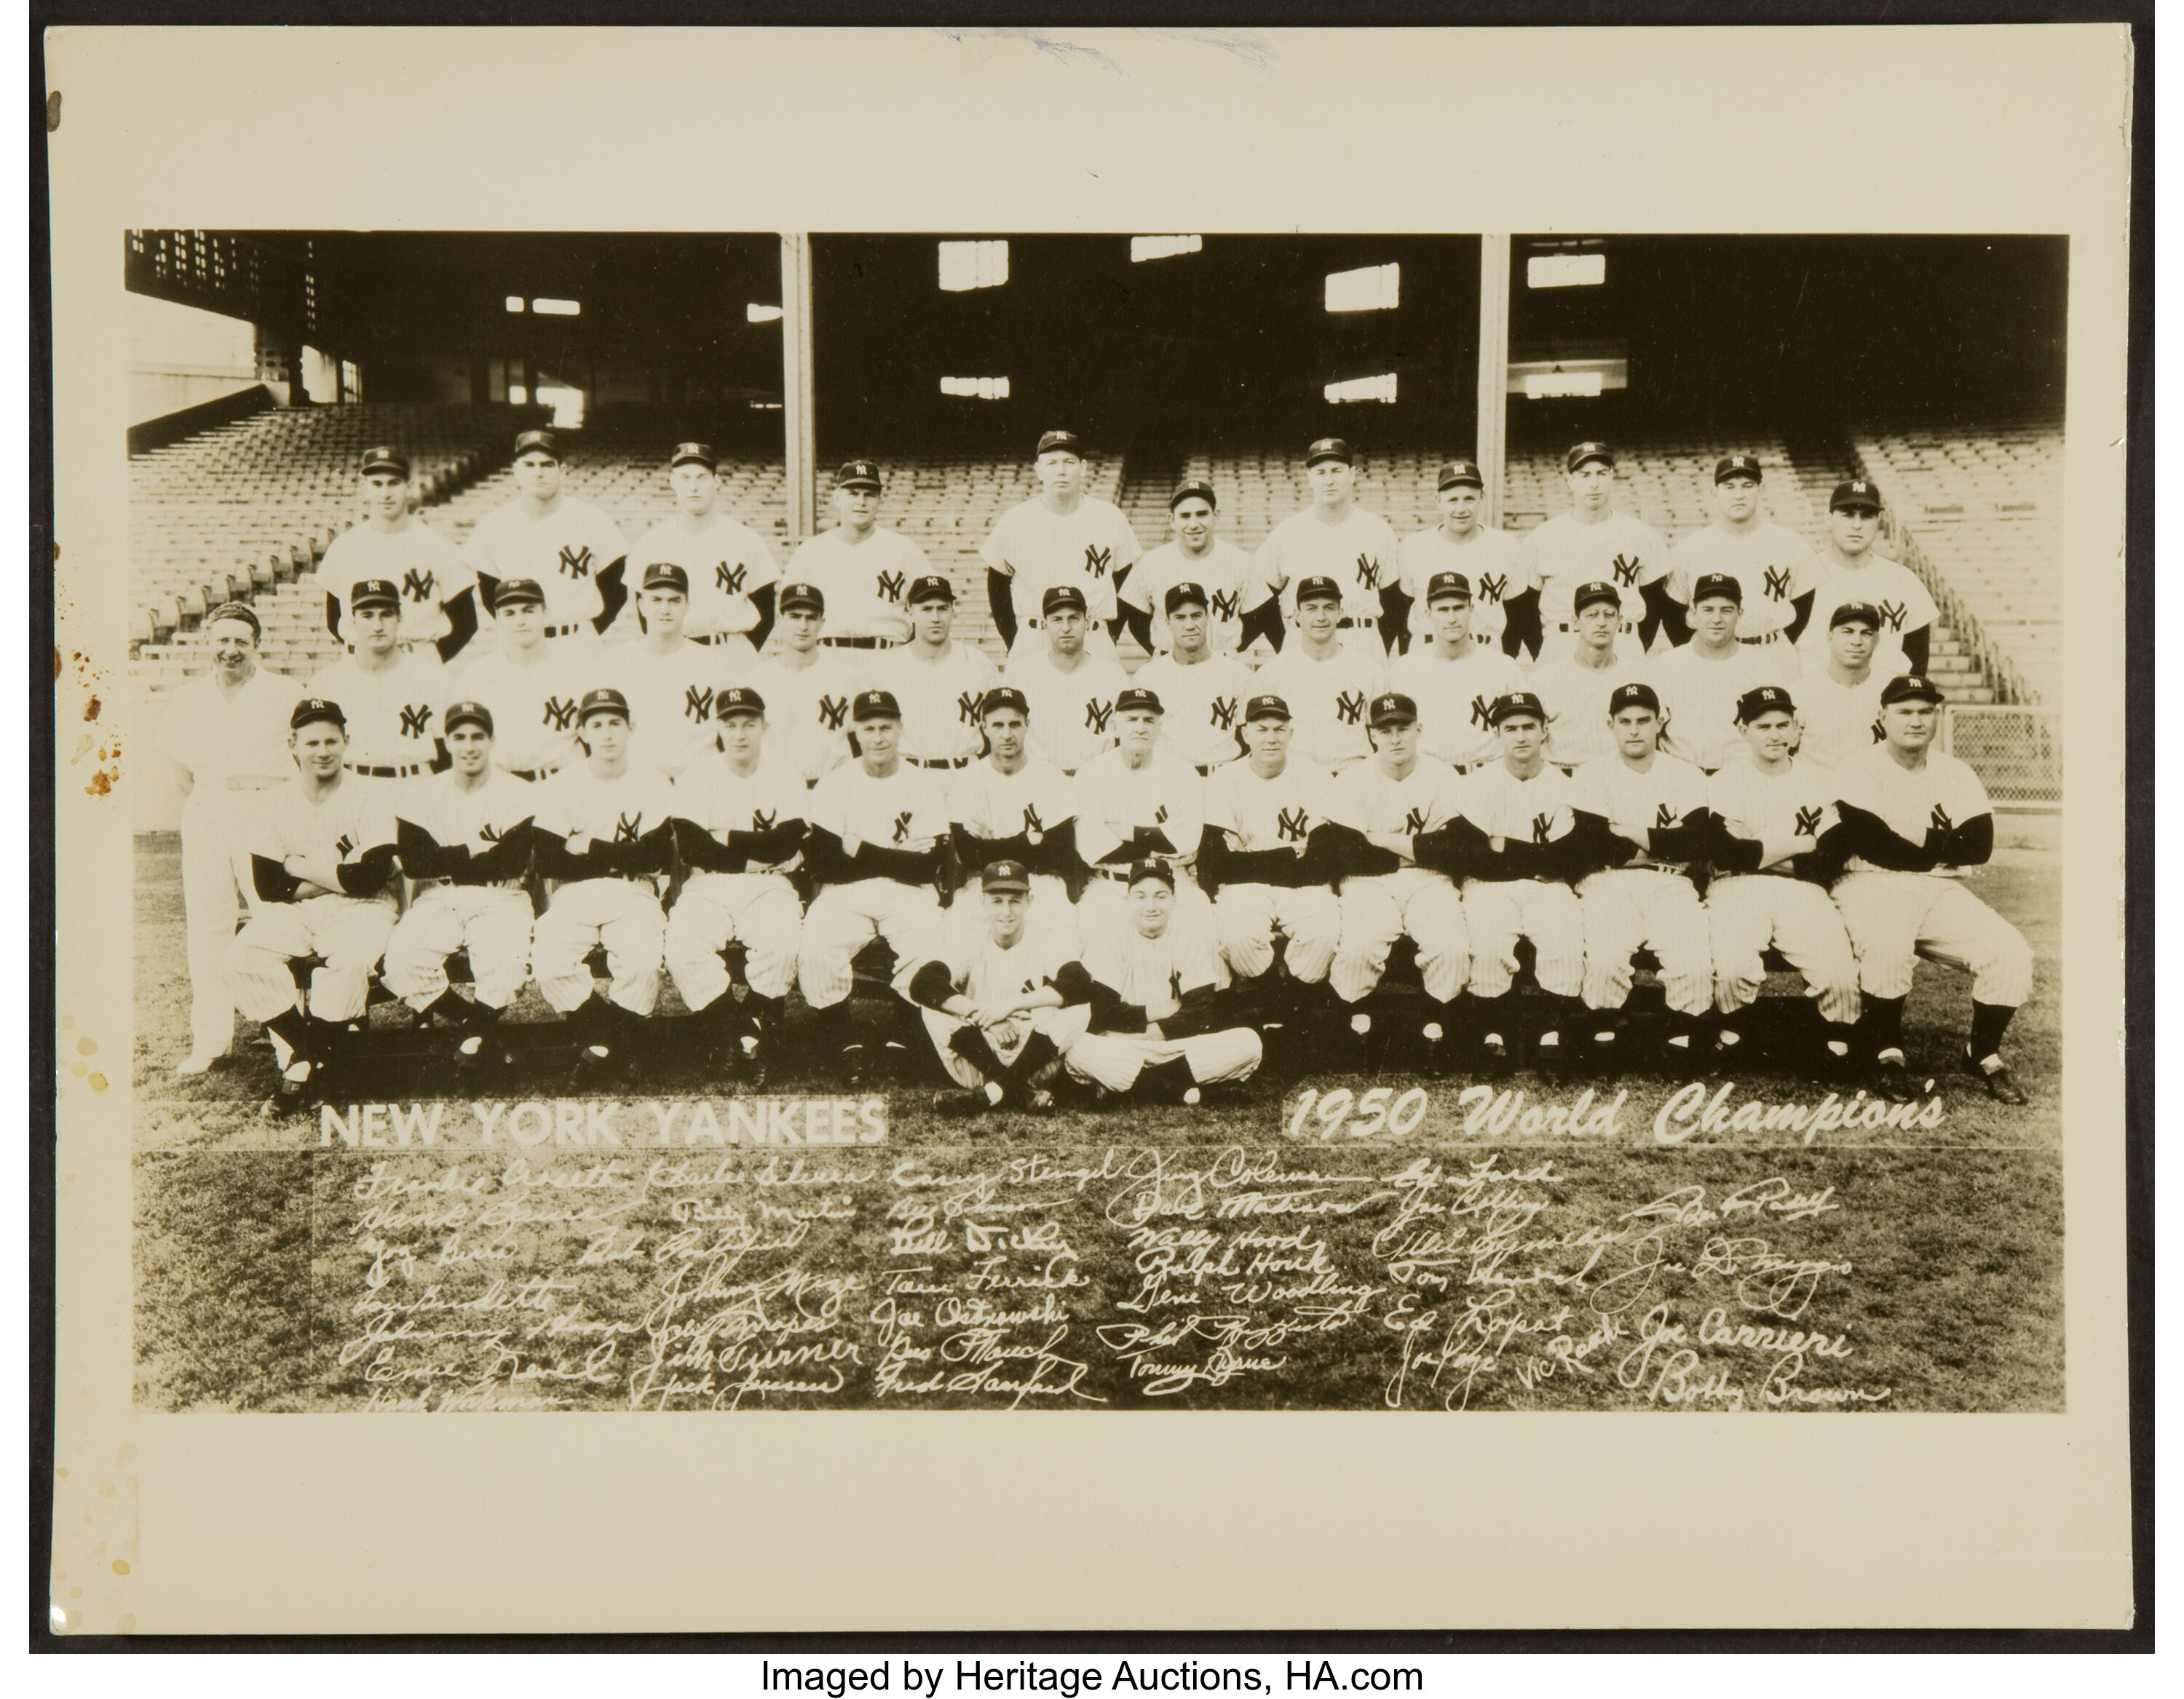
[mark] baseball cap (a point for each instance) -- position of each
(238, 611)
(1196, 486)
(316, 708)
(1005, 696)
(1153, 870)
(1317, 587)
(737, 698)
(375, 592)
(544, 441)
(1137, 696)
(701, 452)
(518, 590)
(1716, 584)
(800, 596)
(1632, 696)
(1068, 440)
(1599, 590)
(665, 575)
(467, 714)
(383, 459)
(1767, 699)
(1004, 876)
(875, 704)
(1462, 472)
(1513, 703)
(1062, 596)
(1185, 593)
(933, 587)
(1442, 585)
(602, 702)
(1330, 448)
(1857, 614)
(1855, 492)
(1394, 709)
(1265, 708)
(1583, 452)
(858, 475)
(1911, 687)
(1736, 466)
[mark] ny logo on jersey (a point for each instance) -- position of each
(1664, 815)
(1369, 573)
(730, 578)
(889, 584)
(1893, 612)
(902, 828)
(1625, 568)
(1289, 823)
(417, 587)
(1097, 559)
(577, 563)
(1492, 585)
(488, 834)
(1225, 605)
(966, 708)
(1349, 707)
(1540, 823)
(1160, 814)
(1778, 582)
(834, 710)
(343, 845)
(1032, 822)
(1221, 713)
(557, 713)
(625, 827)
(1879, 735)
(1809, 823)
(1478, 711)
(1939, 820)
(761, 821)
(417, 716)
(697, 703)
(1414, 822)
(1096, 716)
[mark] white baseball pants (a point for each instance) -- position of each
(216, 831)
(1378, 911)
(1748, 912)
(623, 915)
(1115, 1060)
(760, 911)
(1249, 917)
(493, 923)
(843, 919)
(1894, 918)
(1500, 911)
(1065, 1026)
(1627, 909)
(1052, 914)
(346, 932)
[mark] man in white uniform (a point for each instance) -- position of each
(1486, 558)
(1061, 538)
(938, 681)
(1141, 802)
(808, 689)
(861, 566)
(1575, 688)
(227, 733)
(1774, 564)
(531, 686)
(1071, 691)
(1839, 705)
(567, 545)
(1200, 692)
(669, 683)
(1013, 807)
(1853, 571)
(728, 570)
(391, 696)
(1452, 676)
(1336, 542)
(1592, 543)
(439, 599)
(1325, 680)
(1225, 575)
(1701, 682)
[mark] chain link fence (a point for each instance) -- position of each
(2016, 749)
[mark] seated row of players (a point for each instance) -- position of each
(1269, 861)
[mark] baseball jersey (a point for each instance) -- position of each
(907, 809)
(711, 794)
(393, 714)
(863, 582)
(727, 563)
(1072, 713)
(1201, 705)
(1566, 552)
(428, 568)
(613, 810)
(1772, 564)
(988, 803)
(221, 736)
(807, 709)
(1797, 802)
(1839, 721)
(1944, 793)
(480, 818)
(1276, 813)
(1326, 698)
(342, 827)
(1087, 547)
(940, 698)
(564, 550)
(1897, 593)
(1358, 551)
(1575, 698)
(1150, 971)
(533, 705)
(1453, 697)
(671, 697)
(1536, 809)
(1698, 699)
(1634, 803)
(1491, 562)
(1232, 580)
(981, 970)
(1113, 801)
(1369, 798)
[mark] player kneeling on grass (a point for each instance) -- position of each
(465, 839)
(1913, 818)
(321, 868)
(1388, 802)
(1151, 992)
(1777, 836)
(1647, 812)
(995, 1008)
(740, 826)
(606, 835)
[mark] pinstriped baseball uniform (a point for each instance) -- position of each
(1153, 972)
(728, 564)
(671, 697)
(757, 906)
(1491, 562)
(1698, 699)
(533, 703)
(1232, 580)
(807, 709)
(1566, 552)
(1893, 590)
(623, 914)
(393, 713)
(491, 921)
(1497, 912)
(1201, 705)
(1575, 697)
(980, 969)
(989, 804)
(1326, 698)
(1454, 696)
(1771, 563)
(1358, 551)
(1265, 814)
(1840, 722)
(863, 582)
(428, 569)
(1749, 912)
(1086, 548)
(1650, 905)
(907, 809)
(564, 550)
(940, 698)
(1380, 908)
(1072, 713)
(1113, 801)
(346, 932)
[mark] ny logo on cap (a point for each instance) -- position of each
(762, 820)
(902, 826)
(1225, 604)
(1221, 713)
(1809, 823)
(1540, 823)
(415, 717)
(343, 845)
(559, 714)
(1096, 716)
(417, 587)
(730, 577)
(625, 826)
(1626, 569)
(1032, 822)
(1289, 823)
(1369, 573)
(889, 584)
(1492, 585)
(1893, 612)
(1097, 559)
(834, 710)
(697, 703)
(1480, 711)
(1664, 816)
(1415, 821)
(1349, 707)
(577, 563)
(1778, 582)
(966, 708)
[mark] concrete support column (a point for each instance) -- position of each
(1492, 433)
(800, 445)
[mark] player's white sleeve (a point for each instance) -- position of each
(994, 550)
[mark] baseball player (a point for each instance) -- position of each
(1388, 802)
(1142, 802)
(1224, 575)
(1336, 542)
(530, 687)
(669, 683)
(1700, 683)
(1071, 691)
(938, 681)
(1776, 563)
(464, 838)
(1592, 543)
(879, 838)
(997, 1020)
(729, 571)
(1013, 807)
(1839, 705)
(1266, 857)
(1852, 572)
(861, 566)
(739, 824)
(227, 733)
(1575, 687)
(1151, 988)
(1326, 681)
(567, 545)
(1648, 813)
(606, 838)
(1913, 817)
(1062, 538)
(439, 590)
(1201, 691)
(1483, 556)
(809, 688)
(1771, 848)
(391, 696)
(1457, 676)
(323, 865)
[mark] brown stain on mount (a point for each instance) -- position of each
(90, 709)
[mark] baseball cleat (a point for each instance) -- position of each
(1494, 1056)
(1436, 1062)
(196, 1062)
(1548, 1055)
(1192, 1097)
(1891, 1081)
(297, 1079)
(1995, 1075)
(961, 1105)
